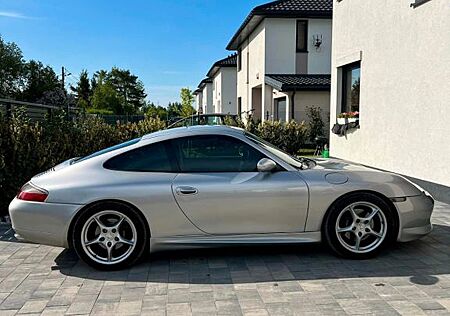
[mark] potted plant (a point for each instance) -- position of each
(347, 117)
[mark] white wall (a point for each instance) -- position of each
(229, 93)
(208, 98)
(280, 46)
(255, 47)
(319, 60)
(405, 85)
(198, 101)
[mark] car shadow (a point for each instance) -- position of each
(419, 262)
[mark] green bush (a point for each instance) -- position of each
(27, 148)
(316, 124)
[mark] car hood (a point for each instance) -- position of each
(341, 165)
(358, 177)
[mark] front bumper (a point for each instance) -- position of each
(43, 223)
(415, 217)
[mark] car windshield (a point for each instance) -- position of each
(300, 163)
(107, 150)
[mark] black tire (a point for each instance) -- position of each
(331, 236)
(141, 240)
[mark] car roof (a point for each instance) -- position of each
(198, 129)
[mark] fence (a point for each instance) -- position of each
(35, 111)
(113, 119)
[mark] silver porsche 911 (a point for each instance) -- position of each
(214, 186)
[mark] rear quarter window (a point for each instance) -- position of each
(150, 158)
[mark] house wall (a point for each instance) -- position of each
(208, 98)
(253, 66)
(319, 60)
(217, 92)
(198, 101)
(280, 46)
(228, 90)
(405, 85)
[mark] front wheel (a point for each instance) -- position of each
(359, 226)
(110, 236)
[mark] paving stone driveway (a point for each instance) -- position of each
(409, 279)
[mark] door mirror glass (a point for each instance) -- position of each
(266, 165)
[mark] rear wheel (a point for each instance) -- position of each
(110, 236)
(360, 226)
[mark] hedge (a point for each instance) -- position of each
(28, 148)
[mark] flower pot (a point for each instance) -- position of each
(341, 121)
(353, 119)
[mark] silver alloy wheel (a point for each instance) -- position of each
(361, 227)
(108, 237)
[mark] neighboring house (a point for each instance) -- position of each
(284, 59)
(198, 100)
(391, 62)
(224, 76)
(205, 91)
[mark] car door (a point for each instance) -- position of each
(221, 192)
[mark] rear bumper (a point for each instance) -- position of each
(43, 223)
(415, 217)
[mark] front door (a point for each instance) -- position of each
(280, 109)
(221, 192)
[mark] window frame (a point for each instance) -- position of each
(305, 39)
(345, 70)
(176, 154)
(169, 152)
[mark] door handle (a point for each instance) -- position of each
(185, 190)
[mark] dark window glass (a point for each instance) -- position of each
(215, 153)
(110, 149)
(151, 158)
(351, 78)
(302, 36)
(239, 109)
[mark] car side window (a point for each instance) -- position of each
(215, 153)
(150, 158)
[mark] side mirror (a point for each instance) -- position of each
(266, 165)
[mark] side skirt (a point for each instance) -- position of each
(211, 241)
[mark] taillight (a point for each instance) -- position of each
(32, 194)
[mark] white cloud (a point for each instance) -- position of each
(13, 15)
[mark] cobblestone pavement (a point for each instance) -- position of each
(408, 279)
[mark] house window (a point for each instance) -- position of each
(302, 36)
(351, 77)
(239, 61)
(239, 109)
(248, 66)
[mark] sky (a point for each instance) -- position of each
(169, 44)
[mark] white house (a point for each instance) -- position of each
(224, 85)
(391, 62)
(204, 96)
(284, 59)
(198, 100)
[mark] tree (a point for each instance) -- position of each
(174, 109)
(129, 87)
(11, 68)
(187, 99)
(83, 91)
(105, 97)
(38, 80)
(156, 111)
